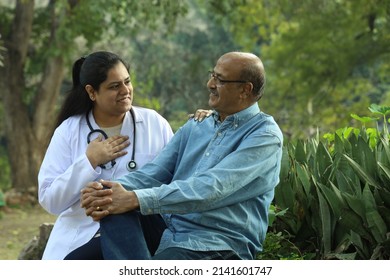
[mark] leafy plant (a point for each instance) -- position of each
(336, 193)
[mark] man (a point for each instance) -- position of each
(212, 184)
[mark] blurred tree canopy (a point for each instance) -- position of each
(324, 60)
(41, 38)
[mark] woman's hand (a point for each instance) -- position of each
(101, 151)
(200, 115)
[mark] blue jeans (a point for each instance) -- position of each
(89, 251)
(130, 236)
(133, 236)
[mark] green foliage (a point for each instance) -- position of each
(279, 247)
(2, 49)
(173, 67)
(2, 199)
(336, 193)
(5, 174)
(322, 58)
(60, 29)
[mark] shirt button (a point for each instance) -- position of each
(207, 154)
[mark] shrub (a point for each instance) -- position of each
(335, 193)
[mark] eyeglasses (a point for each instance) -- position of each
(218, 80)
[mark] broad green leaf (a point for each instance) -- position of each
(368, 160)
(384, 211)
(356, 204)
(368, 199)
(356, 240)
(343, 183)
(376, 225)
(385, 196)
(333, 197)
(352, 221)
(385, 170)
(300, 154)
(363, 119)
(326, 223)
(323, 162)
(284, 195)
(285, 164)
(338, 145)
(362, 173)
(374, 221)
(386, 147)
(383, 110)
(347, 256)
(303, 176)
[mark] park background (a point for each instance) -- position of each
(328, 87)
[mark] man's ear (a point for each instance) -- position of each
(247, 89)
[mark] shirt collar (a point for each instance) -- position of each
(239, 117)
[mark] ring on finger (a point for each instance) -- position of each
(98, 208)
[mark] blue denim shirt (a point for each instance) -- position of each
(214, 183)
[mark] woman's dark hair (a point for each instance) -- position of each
(87, 70)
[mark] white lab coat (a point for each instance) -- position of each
(65, 171)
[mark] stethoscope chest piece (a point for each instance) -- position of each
(131, 165)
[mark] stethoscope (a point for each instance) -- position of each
(131, 165)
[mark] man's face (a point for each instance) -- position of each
(225, 86)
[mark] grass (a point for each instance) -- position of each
(17, 227)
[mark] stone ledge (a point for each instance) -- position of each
(35, 247)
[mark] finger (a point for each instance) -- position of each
(99, 138)
(118, 148)
(190, 116)
(89, 210)
(95, 211)
(197, 115)
(99, 199)
(98, 215)
(91, 187)
(107, 184)
(204, 114)
(119, 154)
(117, 139)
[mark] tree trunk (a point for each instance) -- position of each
(28, 127)
(17, 121)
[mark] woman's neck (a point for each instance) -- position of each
(108, 120)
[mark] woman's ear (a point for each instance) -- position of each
(91, 92)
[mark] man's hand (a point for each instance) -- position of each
(100, 202)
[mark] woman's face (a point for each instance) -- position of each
(115, 95)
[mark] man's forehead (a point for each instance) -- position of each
(228, 65)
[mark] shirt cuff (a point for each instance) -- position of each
(148, 202)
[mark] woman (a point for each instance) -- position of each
(99, 135)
